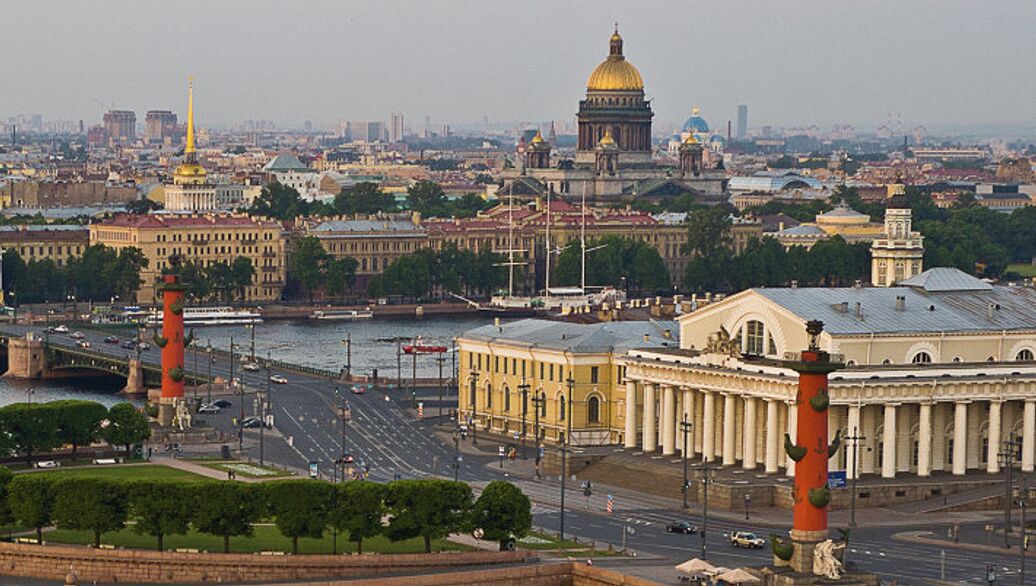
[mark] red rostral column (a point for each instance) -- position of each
(811, 450)
(172, 344)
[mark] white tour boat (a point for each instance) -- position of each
(211, 316)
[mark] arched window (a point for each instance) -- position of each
(472, 395)
(1024, 355)
(754, 337)
(593, 410)
(543, 404)
(921, 358)
(507, 398)
(771, 346)
(561, 407)
(489, 397)
(886, 361)
(957, 359)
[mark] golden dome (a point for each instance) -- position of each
(538, 138)
(615, 73)
(607, 140)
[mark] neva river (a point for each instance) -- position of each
(316, 343)
(320, 343)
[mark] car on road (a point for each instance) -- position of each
(62, 329)
(111, 339)
(746, 539)
(681, 527)
(210, 408)
(348, 458)
(251, 422)
(51, 330)
(221, 403)
(128, 344)
(77, 335)
(251, 367)
(83, 344)
(144, 346)
(358, 389)
(278, 379)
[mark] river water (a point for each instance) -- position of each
(308, 342)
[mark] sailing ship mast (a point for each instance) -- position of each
(546, 282)
(582, 244)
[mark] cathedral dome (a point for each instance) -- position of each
(696, 123)
(615, 73)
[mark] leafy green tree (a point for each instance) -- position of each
(79, 422)
(143, 206)
(357, 509)
(161, 507)
(502, 511)
(431, 509)
(364, 198)
(31, 498)
(241, 274)
(124, 273)
(427, 197)
(90, 504)
(341, 275)
(618, 262)
(226, 509)
(279, 202)
(13, 271)
(708, 232)
(33, 427)
(126, 426)
(6, 476)
(299, 508)
(309, 264)
(467, 206)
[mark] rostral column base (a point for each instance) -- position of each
(166, 411)
(803, 543)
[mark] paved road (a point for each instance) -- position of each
(386, 435)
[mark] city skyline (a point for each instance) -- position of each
(862, 65)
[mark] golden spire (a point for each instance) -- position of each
(607, 140)
(538, 138)
(189, 148)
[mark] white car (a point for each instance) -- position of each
(251, 366)
(77, 335)
(746, 539)
(62, 329)
(278, 379)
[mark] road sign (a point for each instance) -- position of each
(516, 435)
(314, 470)
(609, 504)
(836, 479)
(500, 450)
(420, 410)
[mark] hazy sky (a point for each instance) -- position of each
(932, 62)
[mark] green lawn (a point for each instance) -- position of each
(266, 538)
(540, 541)
(1023, 269)
(246, 469)
(127, 472)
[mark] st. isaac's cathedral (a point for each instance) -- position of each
(614, 159)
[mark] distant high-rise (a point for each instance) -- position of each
(160, 127)
(365, 130)
(121, 126)
(742, 121)
(395, 127)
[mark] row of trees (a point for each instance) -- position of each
(427, 272)
(220, 281)
(99, 274)
(619, 262)
(430, 509)
(427, 197)
(29, 429)
(313, 269)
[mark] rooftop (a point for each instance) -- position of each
(615, 337)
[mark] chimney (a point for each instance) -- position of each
(780, 226)
(989, 310)
(496, 322)
(900, 303)
(794, 283)
(843, 307)
(858, 283)
(647, 338)
(859, 310)
(668, 335)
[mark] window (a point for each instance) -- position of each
(472, 395)
(1024, 355)
(541, 370)
(594, 374)
(593, 410)
(921, 358)
(543, 404)
(754, 337)
(561, 407)
(771, 346)
(507, 399)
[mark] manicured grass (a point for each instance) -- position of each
(127, 472)
(266, 538)
(1023, 269)
(540, 541)
(246, 469)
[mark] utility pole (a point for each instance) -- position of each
(537, 400)
(456, 454)
(399, 362)
(474, 404)
(855, 438)
(1024, 545)
(241, 402)
(707, 469)
(1006, 459)
(564, 453)
(413, 381)
(348, 355)
(524, 389)
(685, 429)
(262, 409)
(440, 359)
(208, 352)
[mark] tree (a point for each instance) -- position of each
(241, 274)
(364, 198)
(13, 271)
(467, 206)
(341, 275)
(161, 507)
(126, 426)
(357, 510)
(31, 498)
(279, 202)
(90, 504)
(309, 264)
(143, 206)
(431, 509)
(6, 476)
(426, 197)
(79, 422)
(617, 259)
(33, 427)
(708, 232)
(299, 508)
(502, 511)
(124, 273)
(226, 509)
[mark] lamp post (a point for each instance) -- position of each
(456, 454)
(537, 401)
(474, 404)
(251, 352)
(1024, 545)
(263, 405)
(685, 429)
(524, 388)
(1006, 459)
(748, 503)
(348, 355)
(855, 438)
(208, 352)
(564, 454)
(241, 402)
(707, 470)
(440, 359)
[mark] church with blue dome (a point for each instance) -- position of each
(696, 123)
(617, 159)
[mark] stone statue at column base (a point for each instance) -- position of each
(825, 559)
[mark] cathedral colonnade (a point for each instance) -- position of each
(746, 429)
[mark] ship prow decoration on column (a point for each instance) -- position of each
(172, 343)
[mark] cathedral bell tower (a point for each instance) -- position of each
(607, 155)
(691, 161)
(537, 154)
(899, 253)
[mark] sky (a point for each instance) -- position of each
(939, 63)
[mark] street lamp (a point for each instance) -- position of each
(854, 472)
(564, 453)
(263, 404)
(524, 389)
(685, 429)
(748, 503)
(251, 329)
(212, 359)
(440, 359)
(707, 472)
(537, 401)
(474, 409)
(456, 454)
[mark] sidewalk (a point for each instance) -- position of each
(200, 470)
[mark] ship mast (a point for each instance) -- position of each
(510, 244)
(546, 281)
(582, 244)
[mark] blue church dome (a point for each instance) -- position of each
(696, 123)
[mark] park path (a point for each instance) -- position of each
(200, 470)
